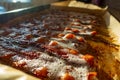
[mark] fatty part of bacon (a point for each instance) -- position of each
(89, 59)
(41, 72)
(67, 76)
(92, 75)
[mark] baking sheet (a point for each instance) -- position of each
(112, 24)
(7, 16)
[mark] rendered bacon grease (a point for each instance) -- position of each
(51, 46)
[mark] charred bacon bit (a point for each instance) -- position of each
(74, 52)
(93, 33)
(92, 75)
(67, 76)
(89, 59)
(67, 28)
(41, 72)
(53, 43)
(29, 36)
(69, 36)
(80, 39)
(60, 35)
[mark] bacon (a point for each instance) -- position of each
(40, 40)
(31, 54)
(19, 64)
(89, 59)
(60, 35)
(67, 28)
(6, 54)
(54, 50)
(92, 75)
(53, 43)
(74, 52)
(69, 36)
(67, 76)
(29, 36)
(41, 72)
(66, 32)
(75, 30)
(80, 39)
(75, 24)
(93, 33)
